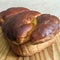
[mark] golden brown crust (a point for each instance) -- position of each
(13, 11)
(15, 27)
(23, 33)
(23, 18)
(48, 26)
(10, 12)
(19, 29)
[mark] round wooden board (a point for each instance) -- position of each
(50, 53)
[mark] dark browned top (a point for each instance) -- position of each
(19, 25)
(47, 25)
(10, 12)
(22, 18)
(13, 11)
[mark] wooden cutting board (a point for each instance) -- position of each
(50, 53)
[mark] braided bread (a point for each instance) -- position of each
(28, 31)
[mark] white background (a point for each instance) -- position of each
(44, 6)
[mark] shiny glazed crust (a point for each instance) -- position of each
(10, 12)
(20, 24)
(47, 27)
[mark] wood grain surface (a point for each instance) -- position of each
(50, 53)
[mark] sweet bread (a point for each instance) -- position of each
(30, 31)
(20, 27)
